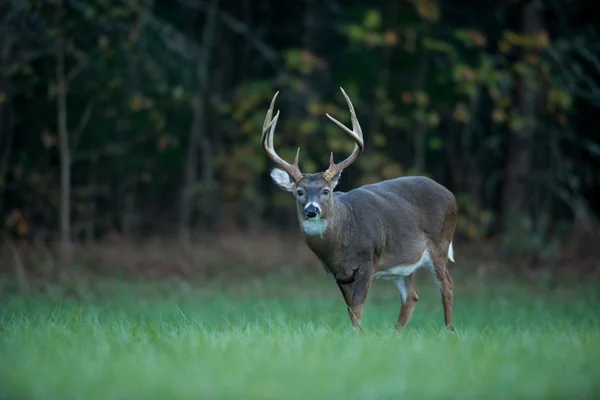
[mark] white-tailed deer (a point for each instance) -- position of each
(383, 230)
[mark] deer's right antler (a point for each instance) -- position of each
(356, 134)
(267, 141)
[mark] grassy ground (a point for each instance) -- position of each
(289, 338)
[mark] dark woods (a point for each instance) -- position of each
(127, 120)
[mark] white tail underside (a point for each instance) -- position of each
(451, 253)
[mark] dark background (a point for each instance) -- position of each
(130, 129)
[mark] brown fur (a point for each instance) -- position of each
(372, 228)
(379, 226)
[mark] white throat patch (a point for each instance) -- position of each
(313, 227)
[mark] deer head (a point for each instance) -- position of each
(313, 192)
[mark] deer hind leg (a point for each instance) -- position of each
(410, 297)
(444, 282)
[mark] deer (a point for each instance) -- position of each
(383, 230)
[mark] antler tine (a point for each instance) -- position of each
(267, 141)
(355, 133)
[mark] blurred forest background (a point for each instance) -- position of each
(130, 129)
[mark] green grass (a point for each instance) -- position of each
(288, 338)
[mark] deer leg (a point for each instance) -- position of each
(347, 290)
(363, 278)
(444, 282)
(410, 296)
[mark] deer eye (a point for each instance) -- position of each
(300, 192)
(326, 192)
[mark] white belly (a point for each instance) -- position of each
(406, 270)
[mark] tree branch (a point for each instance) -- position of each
(83, 122)
(234, 24)
(75, 71)
(572, 71)
(575, 202)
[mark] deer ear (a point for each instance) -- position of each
(334, 181)
(282, 179)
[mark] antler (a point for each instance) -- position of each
(267, 141)
(356, 134)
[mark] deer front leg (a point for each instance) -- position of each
(347, 289)
(363, 278)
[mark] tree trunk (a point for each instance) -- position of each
(383, 80)
(207, 178)
(18, 266)
(90, 219)
(310, 25)
(6, 138)
(65, 161)
(518, 155)
(420, 142)
(518, 163)
(198, 125)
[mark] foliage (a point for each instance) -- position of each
(439, 91)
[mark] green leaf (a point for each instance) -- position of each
(355, 32)
(435, 143)
(439, 46)
(372, 19)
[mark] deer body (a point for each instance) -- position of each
(385, 230)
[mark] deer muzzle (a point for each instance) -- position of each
(312, 210)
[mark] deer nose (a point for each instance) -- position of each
(311, 211)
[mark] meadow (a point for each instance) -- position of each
(288, 336)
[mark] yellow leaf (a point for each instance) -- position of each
(48, 140)
(248, 127)
(533, 60)
(477, 38)
(380, 140)
(162, 143)
(494, 93)
(472, 230)
(461, 113)
(308, 126)
(422, 98)
(391, 38)
(498, 116)
(504, 46)
(433, 119)
(372, 39)
(464, 73)
(407, 97)
(314, 108)
(512, 37)
(103, 42)
(542, 40)
(136, 103)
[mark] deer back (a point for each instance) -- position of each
(390, 223)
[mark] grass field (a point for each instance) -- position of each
(284, 338)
